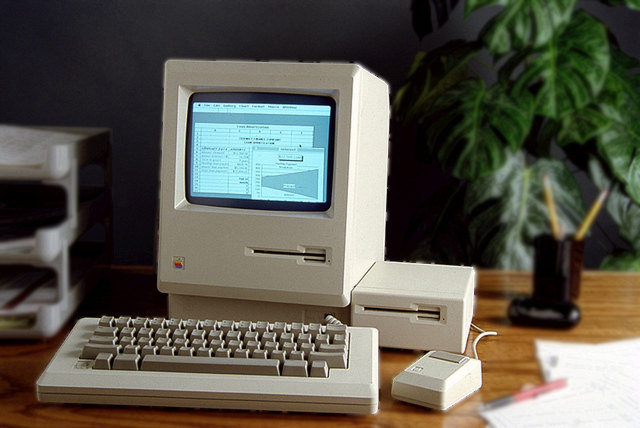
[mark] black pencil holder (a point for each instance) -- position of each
(556, 282)
(557, 269)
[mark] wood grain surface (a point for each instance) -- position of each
(610, 305)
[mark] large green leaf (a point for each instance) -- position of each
(422, 14)
(581, 126)
(471, 128)
(626, 214)
(507, 210)
(569, 71)
(619, 102)
(431, 74)
(623, 210)
(522, 23)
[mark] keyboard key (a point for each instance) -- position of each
(252, 345)
(241, 353)
(122, 322)
(179, 333)
(163, 341)
(295, 368)
(106, 321)
(168, 350)
(196, 343)
(174, 324)
(262, 327)
(340, 339)
(227, 325)
(157, 323)
(233, 335)
(185, 351)
(270, 347)
(244, 326)
(332, 348)
(314, 329)
(279, 327)
(289, 347)
(278, 355)
(214, 335)
(307, 348)
(320, 339)
(105, 331)
(251, 336)
(144, 341)
(233, 345)
(246, 366)
(191, 325)
(140, 322)
(178, 343)
(216, 344)
(208, 325)
(197, 334)
(333, 359)
(286, 338)
(127, 331)
(296, 355)
(319, 369)
(127, 340)
(126, 362)
(131, 349)
(303, 338)
(103, 361)
(269, 336)
(144, 332)
(297, 328)
(162, 332)
(148, 350)
(203, 352)
(103, 340)
(223, 353)
(259, 353)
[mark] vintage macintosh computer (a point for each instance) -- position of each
(273, 187)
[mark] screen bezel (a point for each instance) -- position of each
(262, 98)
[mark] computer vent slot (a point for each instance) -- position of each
(306, 255)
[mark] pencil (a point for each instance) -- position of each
(591, 215)
(526, 394)
(548, 197)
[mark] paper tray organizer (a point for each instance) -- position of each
(46, 267)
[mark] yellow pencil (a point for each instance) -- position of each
(548, 197)
(591, 215)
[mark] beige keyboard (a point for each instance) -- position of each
(252, 365)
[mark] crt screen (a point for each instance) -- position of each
(260, 150)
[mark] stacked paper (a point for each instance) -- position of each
(603, 388)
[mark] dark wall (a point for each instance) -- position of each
(100, 63)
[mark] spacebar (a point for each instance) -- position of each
(214, 365)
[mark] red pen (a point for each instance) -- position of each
(526, 394)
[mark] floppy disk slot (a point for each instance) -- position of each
(431, 313)
(317, 255)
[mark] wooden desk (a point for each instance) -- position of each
(610, 305)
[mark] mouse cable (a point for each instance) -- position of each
(480, 336)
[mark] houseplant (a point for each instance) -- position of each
(561, 97)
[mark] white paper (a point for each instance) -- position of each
(602, 391)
